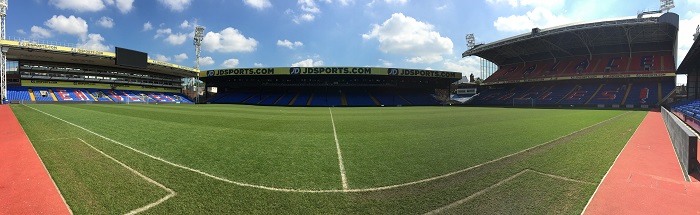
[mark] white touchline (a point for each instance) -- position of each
(184, 167)
(319, 191)
(343, 178)
(611, 166)
(146, 178)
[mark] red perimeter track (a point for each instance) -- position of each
(646, 178)
(25, 186)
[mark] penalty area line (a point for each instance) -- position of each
(185, 167)
(171, 193)
(343, 177)
(497, 184)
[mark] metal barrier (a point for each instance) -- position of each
(685, 142)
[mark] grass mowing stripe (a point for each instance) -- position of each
(343, 178)
(188, 168)
(145, 207)
(330, 190)
(470, 197)
(204, 195)
(485, 163)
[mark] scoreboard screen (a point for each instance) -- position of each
(131, 58)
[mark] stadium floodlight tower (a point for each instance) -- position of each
(486, 67)
(198, 37)
(666, 5)
(3, 53)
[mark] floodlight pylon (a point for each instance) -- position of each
(666, 5)
(198, 37)
(3, 53)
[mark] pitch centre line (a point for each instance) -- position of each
(343, 178)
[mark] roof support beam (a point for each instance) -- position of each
(556, 46)
(585, 44)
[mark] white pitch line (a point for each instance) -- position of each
(187, 168)
(497, 184)
(317, 191)
(146, 178)
(611, 166)
(343, 178)
(472, 196)
(562, 177)
(481, 164)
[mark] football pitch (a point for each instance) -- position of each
(228, 159)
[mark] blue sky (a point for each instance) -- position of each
(422, 34)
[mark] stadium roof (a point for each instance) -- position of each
(691, 62)
(29, 51)
(651, 32)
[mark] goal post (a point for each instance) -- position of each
(523, 102)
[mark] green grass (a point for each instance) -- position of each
(294, 147)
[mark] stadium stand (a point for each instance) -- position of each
(48, 94)
(635, 93)
(327, 98)
(42, 94)
(18, 93)
(604, 64)
(359, 98)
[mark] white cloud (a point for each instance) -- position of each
(94, 42)
(308, 63)
(176, 39)
(206, 61)
(512, 3)
(147, 26)
(538, 17)
(342, 2)
(289, 44)
(20, 31)
(258, 64)
(468, 65)
(308, 6)
(79, 5)
(176, 5)
(125, 6)
(106, 22)
(396, 1)
(307, 17)
(405, 35)
(425, 59)
(228, 40)
(39, 32)
(160, 57)
(685, 36)
(258, 4)
(68, 25)
(163, 32)
(180, 57)
(386, 63)
(551, 4)
(185, 24)
(441, 7)
(230, 63)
